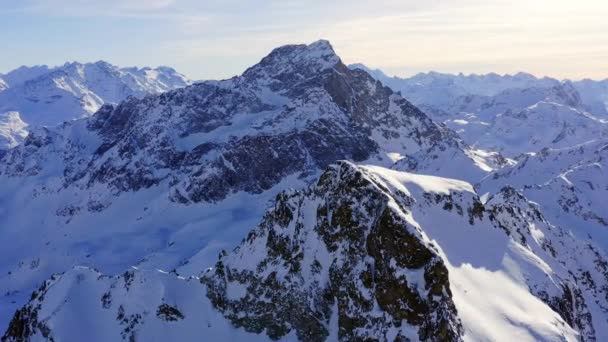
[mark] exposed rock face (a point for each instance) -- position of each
(25, 323)
(360, 257)
(358, 244)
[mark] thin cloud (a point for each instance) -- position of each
(401, 36)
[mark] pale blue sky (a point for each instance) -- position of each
(220, 38)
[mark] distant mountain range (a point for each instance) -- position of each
(304, 200)
(508, 114)
(42, 95)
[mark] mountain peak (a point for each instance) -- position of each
(302, 59)
(322, 45)
(104, 64)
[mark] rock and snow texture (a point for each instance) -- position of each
(49, 96)
(366, 252)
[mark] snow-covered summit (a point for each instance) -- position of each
(24, 73)
(365, 222)
(291, 63)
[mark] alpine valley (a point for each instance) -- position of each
(302, 200)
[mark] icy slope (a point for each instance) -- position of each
(329, 263)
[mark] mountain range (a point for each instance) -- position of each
(508, 114)
(308, 200)
(48, 96)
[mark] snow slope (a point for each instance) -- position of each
(83, 304)
(595, 95)
(544, 124)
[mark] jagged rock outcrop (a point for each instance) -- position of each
(340, 253)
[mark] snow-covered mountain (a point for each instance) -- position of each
(24, 73)
(354, 214)
(542, 125)
(569, 184)
(366, 252)
(187, 170)
(50, 96)
(434, 88)
(508, 114)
